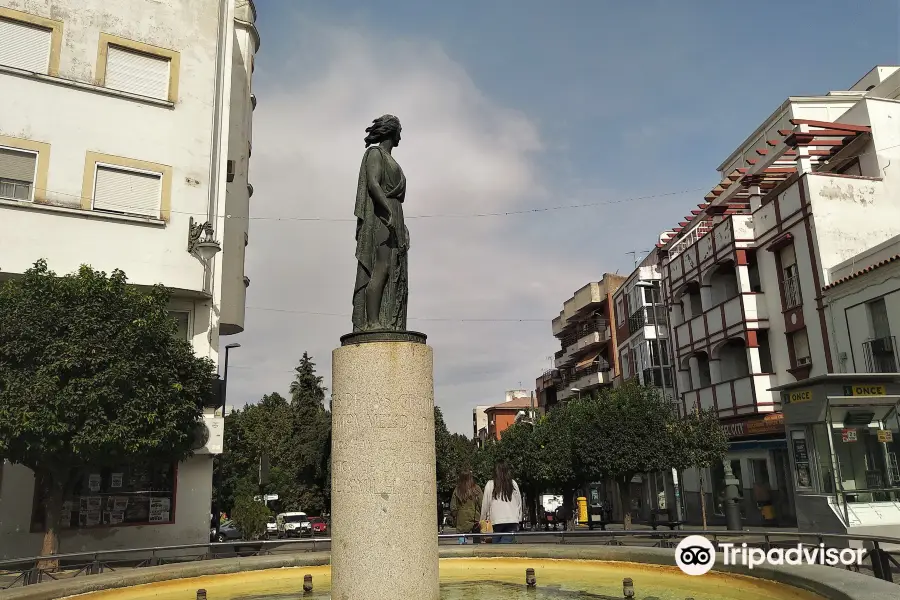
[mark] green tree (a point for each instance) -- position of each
(235, 464)
(92, 374)
(629, 430)
(702, 443)
(563, 469)
(311, 437)
(446, 464)
(521, 447)
(250, 516)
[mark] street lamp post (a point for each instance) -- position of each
(679, 508)
(217, 464)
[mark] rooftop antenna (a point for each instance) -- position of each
(634, 255)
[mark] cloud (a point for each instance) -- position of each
(462, 153)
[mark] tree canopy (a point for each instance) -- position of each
(294, 434)
(624, 431)
(92, 374)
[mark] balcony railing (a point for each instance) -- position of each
(792, 298)
(881, 355)
(647, 315)
(595, 367)
(658, 376)
(596, 325)
(702, 228)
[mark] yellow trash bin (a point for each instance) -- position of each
(582, 510)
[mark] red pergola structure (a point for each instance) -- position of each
(811, 142)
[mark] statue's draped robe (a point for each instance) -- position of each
(372, 232)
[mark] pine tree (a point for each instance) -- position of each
(312, 436)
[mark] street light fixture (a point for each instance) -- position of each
(659, 345)
(217, 465)
(201, 242)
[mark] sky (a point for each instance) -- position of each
(597, 124)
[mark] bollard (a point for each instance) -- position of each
(530, 579)
(307, 583)
(201, 594)
(627, 588)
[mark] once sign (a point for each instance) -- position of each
(865, 390)
(797, 396)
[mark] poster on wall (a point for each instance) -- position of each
(800, 454)
(804, 479)
(848, 435)
(159, 516)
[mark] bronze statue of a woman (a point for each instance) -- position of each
(382, 239)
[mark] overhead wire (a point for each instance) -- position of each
(536, 210)
(507, 213)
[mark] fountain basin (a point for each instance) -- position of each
(483, 572)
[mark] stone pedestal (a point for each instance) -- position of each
(383, 488)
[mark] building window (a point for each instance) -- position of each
(880, 353)
(127, 191)
(137, 73)
(183, 322)
(620, 311)
(765, 351)
(791, 277)
(18, 169)
(125, 495)
(624, 364)
(800, 342)
(25, 46)
(138, 68)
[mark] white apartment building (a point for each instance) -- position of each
(816, 184)
(849, 481)
(124, 143)
(587, 358)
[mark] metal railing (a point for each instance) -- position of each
(792, 297)
(702, 228)
(878, 561)
(647, 315)
(881, 355)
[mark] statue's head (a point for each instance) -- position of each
(386, 127)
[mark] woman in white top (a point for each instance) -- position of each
(502, 504)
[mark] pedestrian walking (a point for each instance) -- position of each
(440, 515)
(465, 505)
(502, 504)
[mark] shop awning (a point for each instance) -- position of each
(586, 362)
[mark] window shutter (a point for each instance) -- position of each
(24, 46)
(137, 73)
(128, 192)
(16, 165)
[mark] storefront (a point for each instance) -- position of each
(757, 455)
(844, 436)
(107, 508)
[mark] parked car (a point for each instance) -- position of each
(293, 524)
(228, 531)
(319, 525)
(271, 528)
